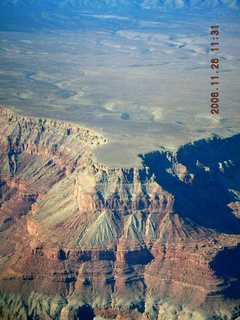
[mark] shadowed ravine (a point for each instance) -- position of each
(203, 192)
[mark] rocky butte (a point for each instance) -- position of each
(81, 241)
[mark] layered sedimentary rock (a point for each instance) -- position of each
(80, 240)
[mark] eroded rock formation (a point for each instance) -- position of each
(79, 240)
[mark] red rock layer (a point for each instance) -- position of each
(80, 241)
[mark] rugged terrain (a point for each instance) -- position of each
(79, 240)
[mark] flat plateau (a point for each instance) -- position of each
(143, 82)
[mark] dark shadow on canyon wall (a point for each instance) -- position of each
(85, 313)
(205, 199)
(226, 266)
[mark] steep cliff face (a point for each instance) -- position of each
(79, 240)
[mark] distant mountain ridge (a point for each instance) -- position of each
(143, 4)
(25, 15)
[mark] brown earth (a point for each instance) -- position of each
(81, 241)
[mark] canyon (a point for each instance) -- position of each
(80, 240)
